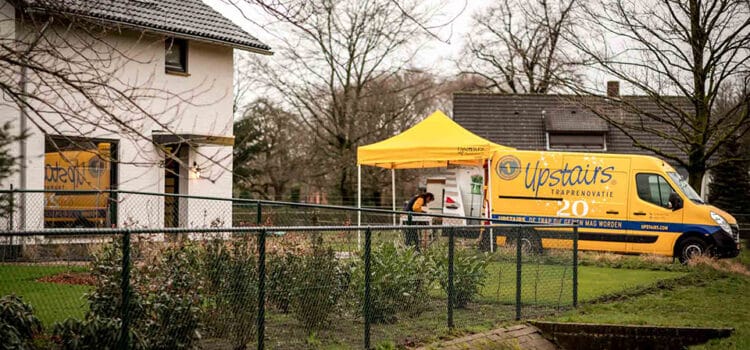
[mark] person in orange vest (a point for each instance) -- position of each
(417, 204)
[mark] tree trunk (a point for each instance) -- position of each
(696, 167)
(345, 190)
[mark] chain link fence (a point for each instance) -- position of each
(273, 275)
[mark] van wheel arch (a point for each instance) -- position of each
(708, 244)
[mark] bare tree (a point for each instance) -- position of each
(680, 55)
(328, 65)
(518, 46)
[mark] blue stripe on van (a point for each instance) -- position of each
(609, 224)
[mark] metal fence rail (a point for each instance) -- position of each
(280, 276)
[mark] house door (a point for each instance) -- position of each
(171, 186)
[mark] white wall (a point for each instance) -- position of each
(200, 103)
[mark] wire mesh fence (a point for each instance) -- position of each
(274, 275)
(37, 209)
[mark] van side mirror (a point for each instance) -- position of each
(675, 201)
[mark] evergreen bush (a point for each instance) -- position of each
(399, 282)
(18, 324)
(469, 273)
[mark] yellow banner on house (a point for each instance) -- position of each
(79, 170)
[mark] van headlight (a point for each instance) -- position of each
(721, 222)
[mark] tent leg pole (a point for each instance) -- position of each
(393, 193)
(359, 204)
(489, 204)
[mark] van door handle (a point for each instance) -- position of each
(613, 212)
(639, 213)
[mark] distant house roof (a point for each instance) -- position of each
(191, 19)
(522, 121)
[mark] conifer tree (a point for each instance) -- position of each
(730, 185)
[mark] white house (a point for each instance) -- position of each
(134, 95)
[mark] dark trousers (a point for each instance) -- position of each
(411, 236)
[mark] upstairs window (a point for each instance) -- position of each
(175, 55)
(569, 129)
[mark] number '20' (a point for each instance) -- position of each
(578, 208)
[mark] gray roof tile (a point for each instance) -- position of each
(181, 18)
(520, 121)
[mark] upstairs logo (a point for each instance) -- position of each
(508, 167)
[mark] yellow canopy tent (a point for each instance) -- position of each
(437, 141)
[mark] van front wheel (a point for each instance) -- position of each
(692, 247)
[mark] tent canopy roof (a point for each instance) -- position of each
(437, 141)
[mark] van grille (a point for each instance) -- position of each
(736, 233)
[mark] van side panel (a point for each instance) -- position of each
(565, 188)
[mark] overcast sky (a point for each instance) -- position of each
(436, 57)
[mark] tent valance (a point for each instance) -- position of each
(436, 141)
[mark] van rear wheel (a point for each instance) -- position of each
(692, 247)
(531, 243)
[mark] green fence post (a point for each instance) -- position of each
(451, 265)
(113, 197)
(259, 213)
(519, 253)
(368, 248)
(124, 342)
(575, 266)
(411, 235)
(261, 287)
(11, 204)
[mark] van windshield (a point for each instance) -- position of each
(685, 187)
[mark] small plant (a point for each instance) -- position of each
(320, 282)
(280, 279)
(173, 318)
(469, 273)
(105, 300)
(398, 282)
(93, 333)
(101, 327)
(231, 275)
(18, 324)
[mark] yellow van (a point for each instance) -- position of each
(622, 203)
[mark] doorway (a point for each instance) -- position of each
(171, 189)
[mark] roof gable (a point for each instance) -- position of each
(191, 19)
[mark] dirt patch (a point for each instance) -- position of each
(79, 278)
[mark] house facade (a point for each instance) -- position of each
(161, 122)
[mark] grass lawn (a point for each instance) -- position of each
(707, 298)
(52, 302)
(542, 284)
